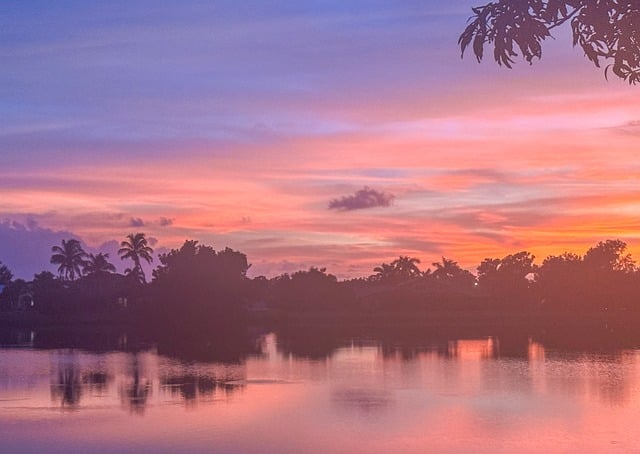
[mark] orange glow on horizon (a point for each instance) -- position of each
(544, 173)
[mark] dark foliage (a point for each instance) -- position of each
(604, 279)
(313, 290)
(197, 284)
(48, 292)
(136, 248)
(70, 258)
(605, 30)
(5, 274)
(98, 264)
(16, 295)
(197, 291)
(402, 269)
(507, 280)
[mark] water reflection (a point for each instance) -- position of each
(79, 377)
(321, 342)
(135, 375)
(69, 382)
(66, 387)
(96, 381)
(135, 387)
(192, 388)
(308, 342)
(421, 387)
(362, 399)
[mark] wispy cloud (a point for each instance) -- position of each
(257, 118)
(362, 199)
(631, 128)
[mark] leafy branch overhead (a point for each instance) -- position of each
(606, 30)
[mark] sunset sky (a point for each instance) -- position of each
(317, 133)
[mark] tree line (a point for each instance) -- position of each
(196, 284)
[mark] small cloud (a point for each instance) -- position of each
(165, 222)
(152, 241)
(136, 222)
(631, 128)
(32, 224)
(245, 220)
(363, 198)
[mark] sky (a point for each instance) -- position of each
(339, 134)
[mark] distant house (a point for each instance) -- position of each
(25, 302)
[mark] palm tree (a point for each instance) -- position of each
(70, 258)
(449, 273)
(98, 264)
(401, 269)
(135, 247)
(384, 272)
(446, 269)
(407, 267)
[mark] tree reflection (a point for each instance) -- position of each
(311, 342)
(69, 382)
(191, 387)
(96, 381)
(526, 359)
(407, 342)
(136, 389)
(212, 345)
(67, 385)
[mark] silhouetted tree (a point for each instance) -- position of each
(195, 261)
(384, 272)
(5, 274)
(609, 276)
(49, 293)
(136, 248)
(609, 256)
(197, 283)
(233, 265)
(488, 277)
(561, 281)
(98, 264)
(508, 278)
(12, 293)
(448, 271)
(70, 258)
(407, 267)
(604, 29)
(401, 269)
(313, 290)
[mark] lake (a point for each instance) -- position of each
(359, 395)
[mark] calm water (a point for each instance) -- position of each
(360, 396)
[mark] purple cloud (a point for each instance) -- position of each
(136, 222)
(165, 222)
(26, 248)
(363, 198)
